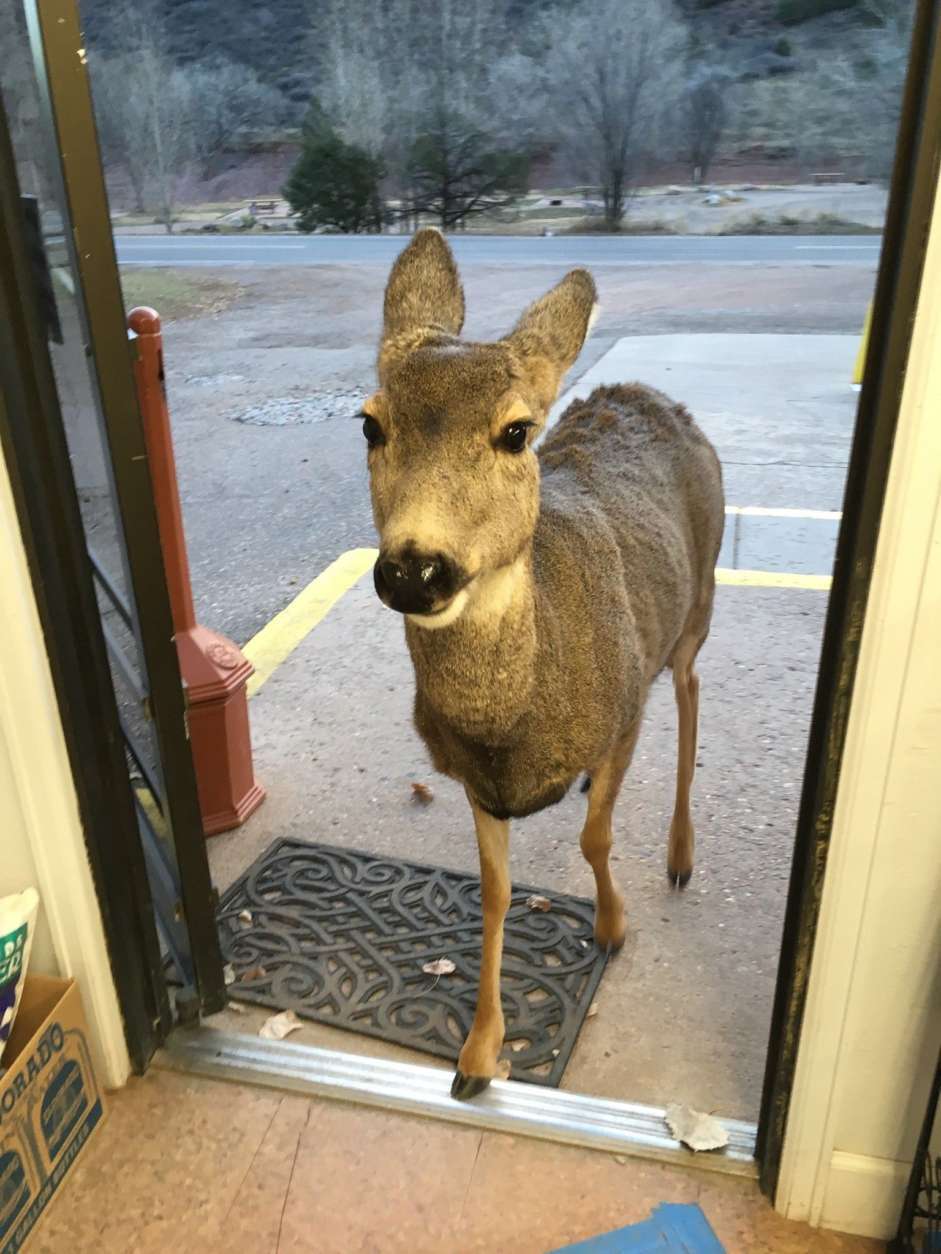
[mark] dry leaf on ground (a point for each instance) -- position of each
(279, 1026)
(535, 902)
(237, 1006)
(440, 966)
(422, 794)
(694, 1128)
(592, 1010)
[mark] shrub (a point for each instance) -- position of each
(335, 184)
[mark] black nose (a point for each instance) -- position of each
(415, 583)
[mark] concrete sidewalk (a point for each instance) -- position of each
(684, 1009)
(780, 411)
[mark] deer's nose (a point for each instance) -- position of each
(415, 583)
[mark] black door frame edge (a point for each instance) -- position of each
(911, 202)
(32, 436)
(58, 49)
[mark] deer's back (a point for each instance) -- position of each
(632, 489)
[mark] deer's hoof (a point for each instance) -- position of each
(464, 1087)
(679, 879)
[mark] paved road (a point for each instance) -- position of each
(191, 250)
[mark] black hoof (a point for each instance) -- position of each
(585, 784)
(464, 1087)
(679, 881)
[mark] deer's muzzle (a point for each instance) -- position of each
(417, 583)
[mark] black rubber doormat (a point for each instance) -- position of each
(341, 936)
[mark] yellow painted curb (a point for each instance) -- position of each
(771, 579)
(860, 365)
(279, 638)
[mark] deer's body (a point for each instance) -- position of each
(621, 559)
(542, 594)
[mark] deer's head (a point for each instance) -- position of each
(453, 475)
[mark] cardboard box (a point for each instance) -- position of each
(50, 1103)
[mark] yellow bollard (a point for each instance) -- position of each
(864, 345)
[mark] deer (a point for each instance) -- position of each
(542, 591)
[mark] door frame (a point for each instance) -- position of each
(32, 436)
(908, 219)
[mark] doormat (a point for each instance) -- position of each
(341, 937)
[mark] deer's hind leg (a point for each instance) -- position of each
(686, 690)
(596, 840)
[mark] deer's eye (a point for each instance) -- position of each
(373, 432)
(513, 437)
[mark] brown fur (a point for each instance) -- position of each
(592, 564)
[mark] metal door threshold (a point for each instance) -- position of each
(519, 1109)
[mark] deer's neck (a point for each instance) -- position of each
(478, 674)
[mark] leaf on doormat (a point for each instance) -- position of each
(253, 973)
(279, 1026)
(440, 966)
(228, 973)
(422, 794)
(694, 1128)
(535, 902)
(245, 916)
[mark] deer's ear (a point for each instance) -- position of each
(551, 332)
(424, 289)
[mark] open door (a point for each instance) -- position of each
(73, 436)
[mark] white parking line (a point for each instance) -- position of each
(872, 248)
(760, 511)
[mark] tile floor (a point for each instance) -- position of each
(185, 1165)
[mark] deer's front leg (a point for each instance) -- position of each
(477, 1063)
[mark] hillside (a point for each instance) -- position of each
(758, 38)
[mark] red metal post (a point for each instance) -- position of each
(214, 670)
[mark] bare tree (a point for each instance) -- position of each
(703, 115)
(614, 74)
(437, 91)
(454, 172)
(144, 106)
(226, 100)
(148, 132)
(157, 120)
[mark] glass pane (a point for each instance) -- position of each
(36, 161)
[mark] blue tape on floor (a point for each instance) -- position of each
(683, 1229)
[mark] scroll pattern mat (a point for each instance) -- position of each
(341, 937)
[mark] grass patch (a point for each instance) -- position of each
(175, 295)
(785, 224)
